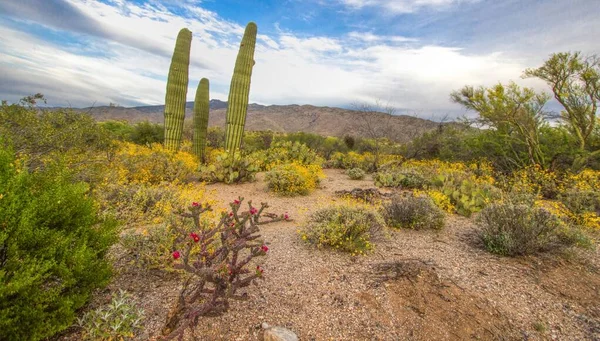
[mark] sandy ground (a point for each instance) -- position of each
(416, 285)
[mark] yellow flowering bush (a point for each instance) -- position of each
(134, 163)
(352, 160)
(440, 199)
(345, 228)
(534, 180)
(286, 152)
(294, 179)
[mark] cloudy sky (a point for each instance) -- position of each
(408, 53)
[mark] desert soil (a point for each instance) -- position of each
(416, 285)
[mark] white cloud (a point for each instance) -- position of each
(402, 6)
(321, 70)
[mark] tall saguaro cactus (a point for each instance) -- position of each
(177, 84)
(201, 110)
(239, 91)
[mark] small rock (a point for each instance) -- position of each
(276, 333)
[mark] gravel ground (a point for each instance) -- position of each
(416, 285)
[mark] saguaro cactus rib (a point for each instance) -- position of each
(239, 91)
(177, 84)
(201, 112)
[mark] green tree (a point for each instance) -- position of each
(515, 114)
(575, 83)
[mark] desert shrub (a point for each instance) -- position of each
(119, 130)
(440, 199)
(257, 140)
(52, 248)
(414, 212)
(136, 203)
(355, 173)
(230, 168)
(396, 178)
(150, 248)
(294, 179)
(287, 152)
(119, 320)
(352, 160)
(150, 165)
(147, 133)
(346, 228)
(535, 180)
(516, 229)
(581, 201)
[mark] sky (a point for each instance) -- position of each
(408, 54)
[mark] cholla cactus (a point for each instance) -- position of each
(177, 84)
(239, 91)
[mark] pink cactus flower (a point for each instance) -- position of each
(236, 202)
(195, 237)
(176, 254)
(195, 204)
(253, 211)
(264, 248)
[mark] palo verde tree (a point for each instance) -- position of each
(575, 83)
(515, 114)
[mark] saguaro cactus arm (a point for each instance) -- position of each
(177, 84)
(201, 112)
(239, 91)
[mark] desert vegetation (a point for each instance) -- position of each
(91, 212)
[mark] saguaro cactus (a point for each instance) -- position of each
(177, 84)
(201, 110)
(239, 91)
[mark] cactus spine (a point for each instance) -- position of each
(201, 110)
(177, 84)
(239, 91)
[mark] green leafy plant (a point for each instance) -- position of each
(355, 173)
(467, 194)
(345, 228)
(414, 212)
(121, 319)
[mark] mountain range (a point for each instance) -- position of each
(327, 121)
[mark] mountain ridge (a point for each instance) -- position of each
(327, 121)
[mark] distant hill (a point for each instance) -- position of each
(281, 118)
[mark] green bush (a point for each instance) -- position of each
(52, 249)
(355, 173)
(414, 212)
(147, 133)
(119, 320)
(514, 229)
(345, 228)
